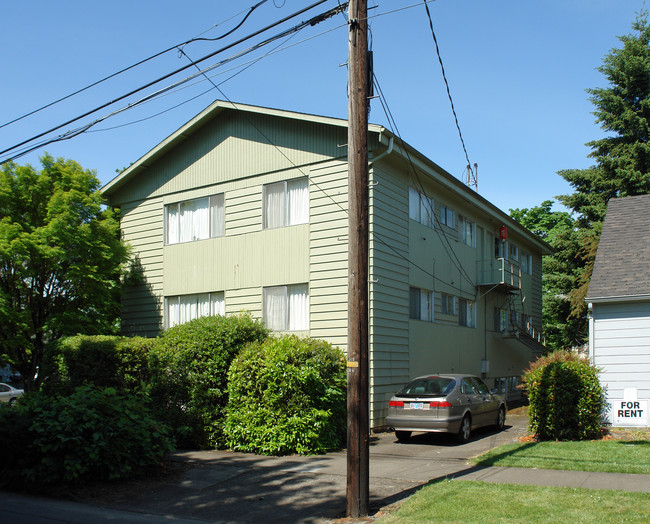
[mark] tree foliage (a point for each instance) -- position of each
(560, 271)
(623, 156)
(60, 260)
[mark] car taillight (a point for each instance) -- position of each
(440, 404)
(396, 404)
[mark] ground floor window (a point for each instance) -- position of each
(183, 308)
(286, 308)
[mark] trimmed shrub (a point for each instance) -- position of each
(287, 395)
(189, 366)
(566, 398)
(91, 434)
(105, 361)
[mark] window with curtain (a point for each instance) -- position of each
(467, 230)
(286, 203)
(183, 308)
(421, 208)
(195, 219)
(447, 216)
(466, 313)
(286, 308)
(421, 304)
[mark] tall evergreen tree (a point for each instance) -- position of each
(623, 156)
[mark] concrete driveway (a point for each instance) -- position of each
(236, 487)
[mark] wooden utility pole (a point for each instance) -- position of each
(358, 200)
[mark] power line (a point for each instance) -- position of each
(124, 70)
(444, 77)
(312, 21)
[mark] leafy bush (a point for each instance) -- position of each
(566, 398)
(189, 366)
(105, 361)
(93, 433)
(287, 395)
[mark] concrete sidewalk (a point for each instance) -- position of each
(226, 487)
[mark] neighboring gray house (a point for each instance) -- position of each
(619, 305)
(245, 208)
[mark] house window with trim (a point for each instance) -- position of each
(513, 252)
(526, 263)
(467, 230)
(500, 320)
(286, 308)
(195, 219)
(447, 216)
(285, 203)
(421, 208)
(449, 304)
(466, 313)
(183, 308)
(421, 304)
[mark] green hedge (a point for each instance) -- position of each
(287, 395)
(93, 433)
(189, 366)
(105, 361)
(566, 398)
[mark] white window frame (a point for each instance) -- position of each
(526, 263)
(286, 308)
(513, 252)
(292, 203)
(213, 226)
(447, 216)
(206, 304)
(421, 304)
(467, 230)
(421, 208)
(466, 313)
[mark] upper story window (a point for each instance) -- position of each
(526, 263)
(286, 308)
(183, 308)
(420, 207)
(195, 219)
(467, 230)
(447, 216)
(513, 252)
(286, 203)
(421, 304)
(466, 313)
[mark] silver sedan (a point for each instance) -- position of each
(8, 393)
(454, 404)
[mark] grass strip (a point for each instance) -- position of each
(463, 501)
(609, 456)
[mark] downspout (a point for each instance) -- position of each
(590, 318)
(381, 155)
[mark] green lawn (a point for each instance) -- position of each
(611, 456)
(462, 501)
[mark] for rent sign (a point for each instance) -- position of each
(630, 411)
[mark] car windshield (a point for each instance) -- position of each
(428, 387)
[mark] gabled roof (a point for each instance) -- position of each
(621, 270)
(386, 137)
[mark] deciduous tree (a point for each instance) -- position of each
(61, 259)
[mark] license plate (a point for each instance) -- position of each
(416, 405)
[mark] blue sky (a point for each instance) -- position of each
(517, 71)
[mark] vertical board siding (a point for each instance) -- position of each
(622, 347)
(142, 230)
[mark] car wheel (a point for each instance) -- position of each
(403, 436)
(12, 401)
(501, 418)
(465, 430)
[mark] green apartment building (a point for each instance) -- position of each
(245, 208)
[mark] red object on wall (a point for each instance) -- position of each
(503, 233)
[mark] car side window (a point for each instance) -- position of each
(466, 388)
(4, 388)
(481, 388)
